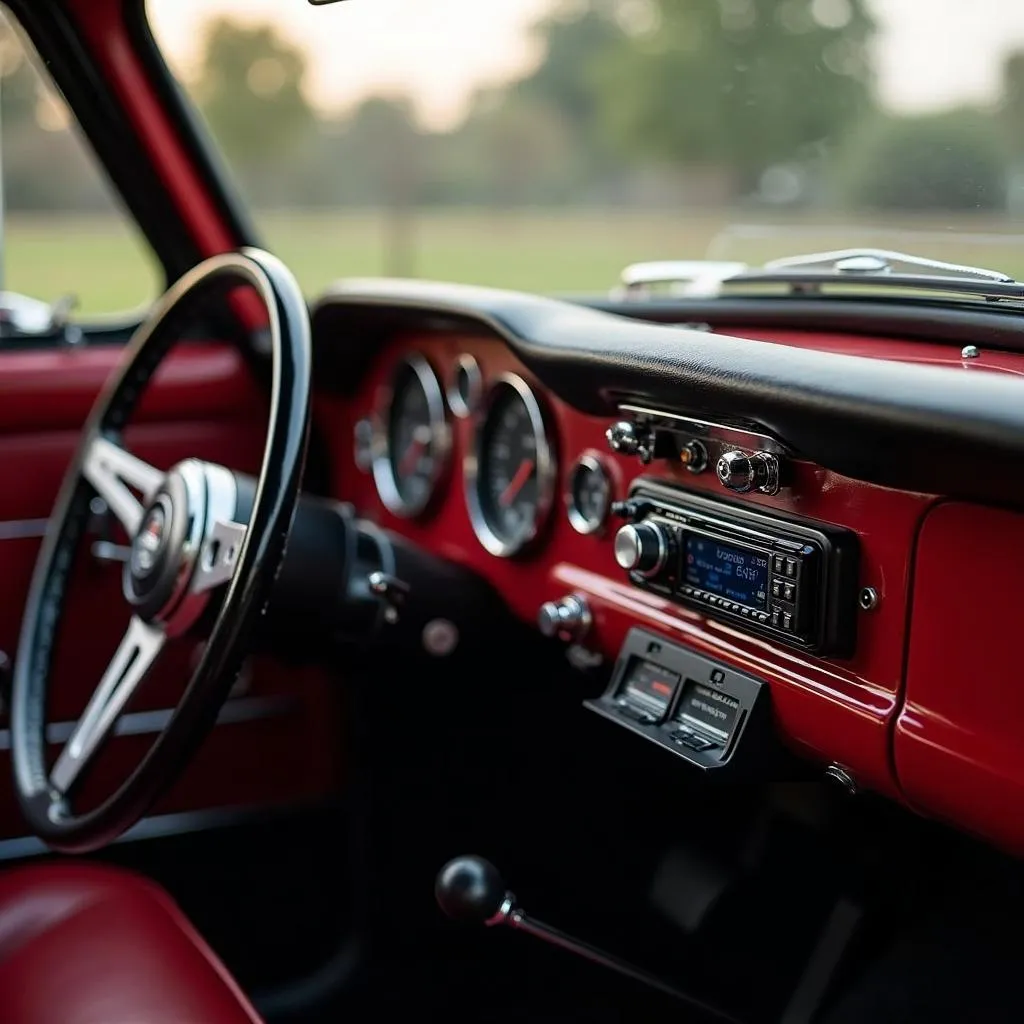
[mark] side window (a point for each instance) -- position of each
(67, 246)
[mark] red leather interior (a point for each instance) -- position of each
(81, 944)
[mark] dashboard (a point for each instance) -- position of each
(870, 626)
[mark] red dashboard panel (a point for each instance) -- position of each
(831, 710)
(960, 737)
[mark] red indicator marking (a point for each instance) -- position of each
(411, 457)
(662, 688)
(517, 483)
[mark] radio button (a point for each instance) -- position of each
(745, 612)
(791, 568)
(787, 620)
(789, 592)
(776, 616)
(776, 588)
(779, 564)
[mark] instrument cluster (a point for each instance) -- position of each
(510, 471)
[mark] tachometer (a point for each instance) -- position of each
(510, 477)
(412, 439)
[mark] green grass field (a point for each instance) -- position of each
(101, 261)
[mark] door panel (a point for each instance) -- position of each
(276, 742)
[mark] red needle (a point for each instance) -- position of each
(518, 482)
(411, 457)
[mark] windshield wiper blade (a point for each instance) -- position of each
(872, 262)
(809, 274)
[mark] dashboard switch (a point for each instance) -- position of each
(627, 438)
(744, 473)
(643, 548)
(568, 619)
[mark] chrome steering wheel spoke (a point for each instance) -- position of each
(114, 472)
(219, 556)
(131, 662)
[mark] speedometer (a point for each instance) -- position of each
(412, 439)
(511, 475)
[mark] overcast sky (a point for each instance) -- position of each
(932, 53)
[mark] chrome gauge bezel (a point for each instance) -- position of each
(547, 469)
(440, 438)
(464, 406)
(577, 520)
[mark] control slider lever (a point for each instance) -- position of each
(470, 889)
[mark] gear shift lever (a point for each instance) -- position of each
(471, 889)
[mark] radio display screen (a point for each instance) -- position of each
(739, 574)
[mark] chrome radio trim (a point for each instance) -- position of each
(736, 437)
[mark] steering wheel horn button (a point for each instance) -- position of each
(150, 542)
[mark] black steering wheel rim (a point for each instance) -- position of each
(258, 562)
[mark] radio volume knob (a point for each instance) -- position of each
(642, 548)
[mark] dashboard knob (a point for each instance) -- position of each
(743, 473)
(568, 619)
(627, 438)
(642, 548)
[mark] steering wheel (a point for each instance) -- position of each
(194, 540)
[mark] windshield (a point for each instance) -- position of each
(547, 144)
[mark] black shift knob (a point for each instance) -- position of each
(469, 889)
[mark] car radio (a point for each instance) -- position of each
(788, 579)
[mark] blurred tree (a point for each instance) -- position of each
(250, 88)
(46, 165)
(383, 132)
(518, 147)
(1011, 107)
(740, 85)
(19, 82)
(573, 38)
(955, 160)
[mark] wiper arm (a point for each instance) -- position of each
(811, 273)
(872, 262)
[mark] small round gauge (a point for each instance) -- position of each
(412, 439)
(589, 496)
(511, 476)
(466, 386)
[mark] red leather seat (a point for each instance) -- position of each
(81, 944)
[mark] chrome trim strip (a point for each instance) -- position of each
(740, 437)
(157, 826)
(236, 711)
(23, 529)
